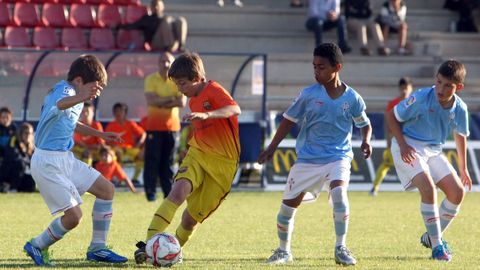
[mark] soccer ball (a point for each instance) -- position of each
(163, 250)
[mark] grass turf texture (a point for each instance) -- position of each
(384, 233)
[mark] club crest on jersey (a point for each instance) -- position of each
(410, 101)
(207, 105)
(345, 106)
(452, 116)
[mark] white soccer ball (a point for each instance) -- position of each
(163, 250)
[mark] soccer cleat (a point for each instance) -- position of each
(140, 254)
(425, 241)
(440, 253)
(280, 257)
(105, 255)
(39, 256)
(344, 256)
(373, 192)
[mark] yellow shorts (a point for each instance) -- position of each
(211, 177)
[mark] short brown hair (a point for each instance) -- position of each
(6, 110)
(187, 65)
(89, 68)
(453, 70)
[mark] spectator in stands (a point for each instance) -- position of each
(7, 131)
(296, 3)
(404, 90)
(359, 18)
(86, 146)
(465, 8)
(325, 15)
(110, 169)
(16, 163)
(161, 32)
(392, 19)
(237, 3)
(163, 124)
(131, 149)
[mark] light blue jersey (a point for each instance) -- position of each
(55, 128)
(425, 120)
(326, 131)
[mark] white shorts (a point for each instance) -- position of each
(429, 159)
(61, 178)
(311, 178)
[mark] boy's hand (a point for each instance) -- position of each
(366, 149)
(92, 92)
(465, 178)
(112, 136)
(265, 155)
(408, 153)
(196, 116)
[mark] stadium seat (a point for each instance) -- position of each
(133, 13)
(102, 39)
(130, 40)
(54, 15)
(73, 38)
(127, 2)
(108, 16)
(99, 2)
(25, 14)
(45, 38)
(69, 2)
(4, 14)
(17, 36)
(82, 15)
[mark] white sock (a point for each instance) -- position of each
(341, 213)
(285, 224)
(448, 211)
(432, 222)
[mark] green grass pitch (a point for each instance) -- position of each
(384, 233)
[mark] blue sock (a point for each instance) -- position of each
(52, 234)
(101, 217)
(341, 213)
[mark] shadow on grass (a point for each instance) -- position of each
(62, 263)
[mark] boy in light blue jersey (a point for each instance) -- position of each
(60, 177)
(428, 116)
(326, 111)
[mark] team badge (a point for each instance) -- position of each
(182, 169)
(207, 105)
(452, 116)
(410, 101)
(345, 106)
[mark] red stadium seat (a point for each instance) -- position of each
(25, 14)
(98, 2)
(102, 39)
(16, 36)
(130, 40)
(69, 2)
(81, 15)
(45, 38)
(108, 16)
(54, 15)
(127, 2)
(133, 13)
(73, 38)
(4, 14)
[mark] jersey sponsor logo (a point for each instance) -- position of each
(319, 102)
(410, 100)
(68, 91)
(182, 169)
(207, 105)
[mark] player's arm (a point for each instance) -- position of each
(366, 147)
(176, 101)
(224, 112)
(81, 96)
(282, 131)
(408, 152)
(461, 143)
(157, 101)
(107, 136)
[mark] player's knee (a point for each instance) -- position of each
(456, 197)
(72, 218)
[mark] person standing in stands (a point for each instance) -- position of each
(161, 32)
(162, 125)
